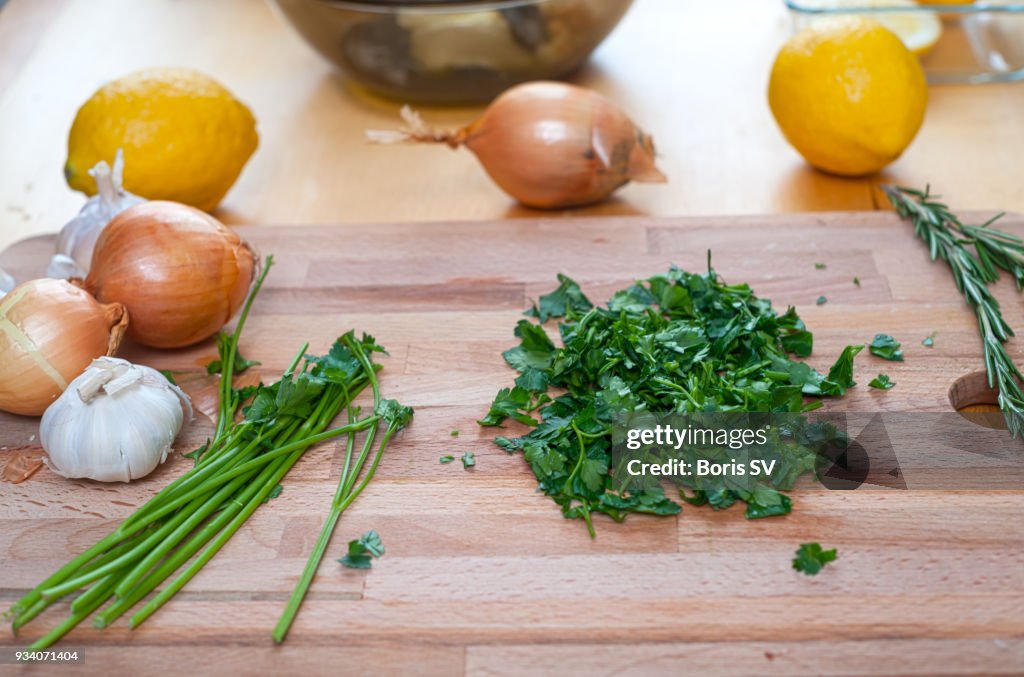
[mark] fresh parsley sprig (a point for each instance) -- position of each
(349, 356)
(975, 255)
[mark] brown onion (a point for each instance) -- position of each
(50, 331)
(549, 144)
(180, 272)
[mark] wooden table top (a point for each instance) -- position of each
(483, 575)
(694, 73)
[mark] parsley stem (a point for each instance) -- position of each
(196, 512)
(223, 527)
(753, 368)
(291, 609)
(567, 489)
(74, 619)
(260, 461)
(227, 372)
(347, 490)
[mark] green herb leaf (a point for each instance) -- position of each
(515, 403)
(856, 281)
(887, 348)
(197, 454)
(296, 396)
(274, 493)
(362, 551)
(468, 460)
(811, 558)
(822, 300)
(882, 382)
(929, 341)
(240, 363)
(394, 414)
(566, 300)
(455, 433)
(169, 375)
(820, 266)
(536, 349)
(840, 376)
(447, 459)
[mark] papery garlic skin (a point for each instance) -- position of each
(116, 422)
(78, 237)
(7, 282)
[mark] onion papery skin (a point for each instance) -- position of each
(50, 331)
(552, 145)
(181, 273)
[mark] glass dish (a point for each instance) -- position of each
(981, 42)
(438, 51)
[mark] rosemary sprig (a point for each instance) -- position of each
(975, 255)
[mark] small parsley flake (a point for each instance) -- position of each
(811, 558)
(882, 382)
(362, 551)
(886, 347)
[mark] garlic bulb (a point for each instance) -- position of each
(78, 237)
(7, 282)
(114, 423)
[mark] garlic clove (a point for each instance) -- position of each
(77, 238)
(63, 267)
(7, 283)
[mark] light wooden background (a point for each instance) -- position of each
(483, 576)
(694, 72)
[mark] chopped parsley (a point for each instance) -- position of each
(362, 551)
(811, 558)
(882, 382)
(886, 347)
(677, 342)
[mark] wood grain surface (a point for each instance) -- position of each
(482, 574)
(694, 73)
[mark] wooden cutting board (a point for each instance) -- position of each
(482, 574)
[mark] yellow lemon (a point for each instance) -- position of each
(185, 137)
(848, 95)
(919, 30)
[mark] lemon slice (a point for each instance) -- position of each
(919, 30)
